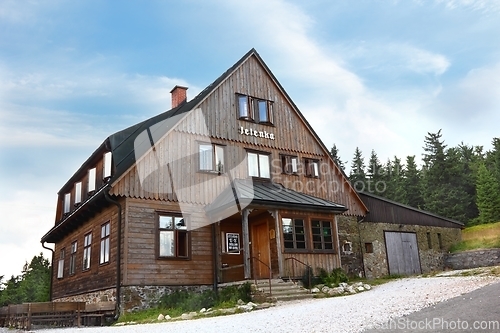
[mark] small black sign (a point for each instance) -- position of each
(232, 243)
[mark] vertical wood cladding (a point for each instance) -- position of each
(216, 120)
(99, 276)
(141, 263)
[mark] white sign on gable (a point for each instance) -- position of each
(257, 134)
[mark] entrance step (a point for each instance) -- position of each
(281, 290)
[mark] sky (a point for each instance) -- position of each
(370, 74)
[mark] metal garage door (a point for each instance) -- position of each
(402, 253)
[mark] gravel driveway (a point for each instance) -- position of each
(353, 313)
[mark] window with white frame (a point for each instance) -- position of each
(258, 165)
(211, 157)
(173, 236)
(67, 203)
(60, 264)
(72, 258)
(105, 233)
(107, 158)
(87, 246)
(91, 180)
(78, 193)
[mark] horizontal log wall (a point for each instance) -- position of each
(84, 281)
(141, 263)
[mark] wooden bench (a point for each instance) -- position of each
(95, 313)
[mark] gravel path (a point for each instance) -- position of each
(348, 314)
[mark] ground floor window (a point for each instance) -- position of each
(173, 236)
(305, 234)
(105, 232)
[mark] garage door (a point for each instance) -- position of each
(402, 253)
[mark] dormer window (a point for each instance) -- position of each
(91, 183)
(256, 110)
(67, 203)
(106, 174)
(78, 193)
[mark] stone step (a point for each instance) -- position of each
(291, 297)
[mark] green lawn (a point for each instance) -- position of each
(484, 236)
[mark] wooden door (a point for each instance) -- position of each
(402, 253)
(260, 250)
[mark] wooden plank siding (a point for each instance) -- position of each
(315, 260)
(85, 281)
(141, 263)
(150, 177)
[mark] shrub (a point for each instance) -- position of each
(332, 279)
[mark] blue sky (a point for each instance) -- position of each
(368, 74)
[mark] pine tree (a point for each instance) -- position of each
(357, 175)
(412, 184)
(396, 182)
(334, 153)
(375, 182)
(487, 196)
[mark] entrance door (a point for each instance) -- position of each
(260, 250)
(402, 253)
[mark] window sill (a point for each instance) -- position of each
(174, 258)
(250, 120)
(211, 172)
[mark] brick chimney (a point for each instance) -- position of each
(179, 96)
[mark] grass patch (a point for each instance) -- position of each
(483, 236)
(182, 301)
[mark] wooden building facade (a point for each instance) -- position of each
(231, 185)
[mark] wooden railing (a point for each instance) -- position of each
(59, 314)
(308, 269)
(55, 314)
(255, 275)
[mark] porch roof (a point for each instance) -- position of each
(245, 192)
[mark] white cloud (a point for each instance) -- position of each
(479, 5)
(26, 217)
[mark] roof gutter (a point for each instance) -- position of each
(119, 251)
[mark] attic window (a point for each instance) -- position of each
(78, 193)
(256, 110)
(91, 180)
(289, 164)
(107, 165)
(67, 203)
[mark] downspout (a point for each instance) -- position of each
(119, 251)
(51, 270)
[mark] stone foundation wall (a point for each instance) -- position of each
(431, 257)
(473, 259)
(108, 295)
(142, 297)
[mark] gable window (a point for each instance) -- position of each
(72, 258)
(91, 180)
(289, 164)
(78, 193)
(67, 203)
(60, 265)
(105, 232)
(211, 157)
(258, 165)
(173, 236)
(106, 165)
(87, 242)
(322, 235)
(312, 168)
(293, 233)
(255, 109)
